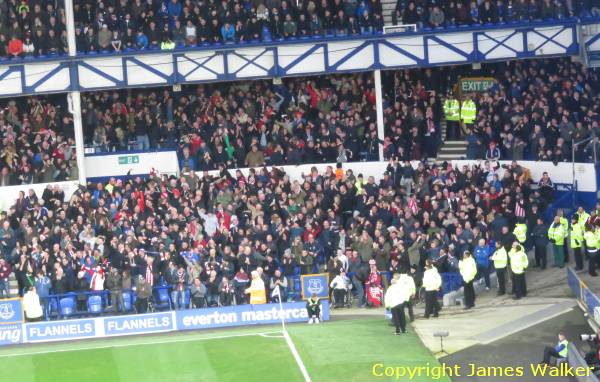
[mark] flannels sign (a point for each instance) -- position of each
(61, 330)
(145, 323)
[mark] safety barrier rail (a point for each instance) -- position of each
(589, 301)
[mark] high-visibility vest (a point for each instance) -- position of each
(468, 269)
(557, 233)
(565, 350)
(591, 241)
(167, 45)
(520, 232)
(257, 292)
(576, 235)
(500, 258)
(564, 222)
(360, 186)
(452, 110)
(432, 280)
(583, 218)
(518, 261)
(468, 111)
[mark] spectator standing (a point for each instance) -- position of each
(5, 271)
(31, 306)
(468, 271)
(557, 233)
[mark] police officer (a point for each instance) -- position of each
(401, 290)
(577, 241)
(452, 113)
(468, 271)
(500, 259)
(432, 282)
(583, 216)
(557, 234)
(591, 249)
(565, 223)
(518, 264)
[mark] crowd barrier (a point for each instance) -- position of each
(160, 322)
(590, 302)
(584, 295)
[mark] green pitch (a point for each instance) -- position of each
(343, 350)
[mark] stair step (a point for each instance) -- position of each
(442, 157)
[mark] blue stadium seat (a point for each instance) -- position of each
(67, 306)
(52, 307)
(127, 301)
(188, 298)
(161, 298)
(297, 285)
(95, 304)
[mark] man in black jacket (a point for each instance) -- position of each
(539, 235)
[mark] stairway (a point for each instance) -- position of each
(450, 150)
(388, 7)
(13, 286)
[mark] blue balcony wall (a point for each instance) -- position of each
(300, 57)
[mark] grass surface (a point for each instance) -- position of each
(342, 350)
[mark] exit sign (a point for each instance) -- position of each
(476, 85)
(129, 159)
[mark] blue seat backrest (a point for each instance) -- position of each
(67, 306)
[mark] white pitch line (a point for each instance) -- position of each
(189, 339)
(268, 335)
(296, 355)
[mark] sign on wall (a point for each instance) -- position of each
(191, 319)
(475, 84)
(11, 311)
(315, 283)
(142, 163)
(244, 315)
(60, 330)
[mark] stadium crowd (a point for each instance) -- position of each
(33, 28)
(36, 141)
(328, 119)
(138, 25)
(208, 233)
(434, 13)
(535, 112)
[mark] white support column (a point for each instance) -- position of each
(74, 98)
(379, 106)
